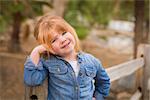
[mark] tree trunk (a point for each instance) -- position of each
(116, 9)
(139, 19)
(14, 45)
(146, 33)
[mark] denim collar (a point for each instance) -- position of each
(79, 56)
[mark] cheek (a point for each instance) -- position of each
(55, 47)
(73, 40)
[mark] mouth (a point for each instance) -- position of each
(66, 45)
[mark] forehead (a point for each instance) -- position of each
(54, 33)
(57, 30)
(50, 29)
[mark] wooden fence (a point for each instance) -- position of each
(115, 72)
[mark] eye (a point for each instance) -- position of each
(53, 41)
(64, 33)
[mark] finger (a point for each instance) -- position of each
(45, 46)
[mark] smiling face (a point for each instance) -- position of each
(63, 44)
(58, 36)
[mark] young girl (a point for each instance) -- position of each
(70, 72)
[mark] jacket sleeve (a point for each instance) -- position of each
(102, 82)
(34, 74)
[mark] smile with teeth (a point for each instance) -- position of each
(65, 45)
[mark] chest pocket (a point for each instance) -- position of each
(90, 72)
(58, 74)
(58, 69)
(86, 75)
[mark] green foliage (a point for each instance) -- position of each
(71, 16)
(37, 8)
(13, 8)
(28, 8)
(126, 10)
(2, 25)
(147, 15)
(95, 11)
(82, 32)
(101, 11)
(83, 14)
(10, 7)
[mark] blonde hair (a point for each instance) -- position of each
(47, 25)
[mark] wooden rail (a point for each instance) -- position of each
(115, 72)
(118, 71)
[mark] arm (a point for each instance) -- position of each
(35, 54)
(102, 82)
(34, 70)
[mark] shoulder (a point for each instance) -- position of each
(48, 59)
(90, 58)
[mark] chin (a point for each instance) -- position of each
(69, 51)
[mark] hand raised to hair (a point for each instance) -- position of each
(40, 48)
(35, 54)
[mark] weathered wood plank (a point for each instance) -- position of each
(139, 73)
(37, 92)
(146, 73)
(136, 96)
(124, 69)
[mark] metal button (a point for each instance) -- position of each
(80, 62)
(73, 73)
(92, 74)
(80, 74)
(58, 69)
(76, 87)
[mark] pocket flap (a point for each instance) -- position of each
(58, 69)
(91, 72)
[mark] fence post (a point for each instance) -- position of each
(146, 74)
(37, 92)
(139, 73)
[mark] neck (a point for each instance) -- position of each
(71, 56)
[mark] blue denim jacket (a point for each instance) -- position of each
(63, 84)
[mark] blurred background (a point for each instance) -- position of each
(111, 30)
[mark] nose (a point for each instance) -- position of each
(63, 39)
